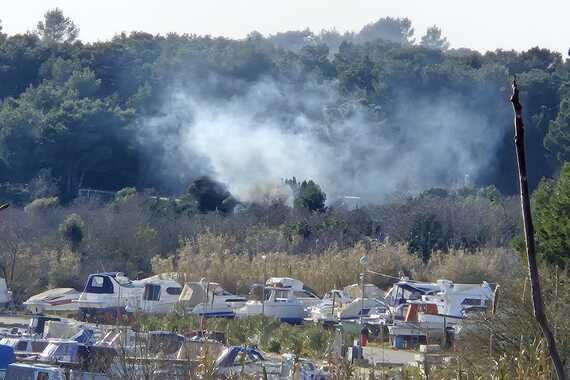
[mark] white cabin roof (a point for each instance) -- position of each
(285, 282)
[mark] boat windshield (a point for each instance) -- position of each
(57, 349)
(281, 295)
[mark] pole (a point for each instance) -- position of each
(362, 303)
(537, 302)
(364, 262)
(263, 287)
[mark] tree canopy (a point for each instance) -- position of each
(551, 203)
(55, 27)
(81, 111)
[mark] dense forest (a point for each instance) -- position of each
(298, 153)
(116, 155)
(368, 114)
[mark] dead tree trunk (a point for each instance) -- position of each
(537, 303)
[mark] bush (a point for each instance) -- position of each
(211, 195)
(42, 205)
(274, 346)
(310, 197)
(125, 194)
(72, 231)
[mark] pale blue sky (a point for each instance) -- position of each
(478, 24)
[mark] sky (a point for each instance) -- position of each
(478, 24)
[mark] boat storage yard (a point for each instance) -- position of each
(89, 334)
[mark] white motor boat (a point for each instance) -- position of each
(113, 294)
(451, 299)
(361, 308)
(337, 304)
(304, 294)
(406, 290)
(209, 299)
(457, 299)
(327, 309)
(442, 310)
(280, 303)
(59, 299)
(161, 294)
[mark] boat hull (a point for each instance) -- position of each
(289, 313)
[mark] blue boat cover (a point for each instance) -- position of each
(84, 336)
(7, 356)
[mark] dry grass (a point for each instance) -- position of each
(215, 257)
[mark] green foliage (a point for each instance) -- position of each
(57, 28)
(491, 193)
(425, 236)
(125, 194)
(310, 196)
(72, 230)
(43, 185)
(211, 195)
(434, 40)
(75, 108)
(395, 30)
(270, 334)
(15, 194)
(42, 205)
(274, 346)
(551, 205)
(557, 141)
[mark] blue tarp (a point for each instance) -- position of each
(7, 356)
(84, 336)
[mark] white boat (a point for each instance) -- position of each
(406, 290)
(209, 299)
(304, 294)
(338, 304)
(161, 294)
(457, 299)
(280, 303)
(327, 309)
(451, 299)
(59, 299)
(441, 310)
(361, 308)
(111, 294)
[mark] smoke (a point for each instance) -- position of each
(252, 135)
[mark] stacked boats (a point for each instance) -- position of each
(111, 295)
(403, 308)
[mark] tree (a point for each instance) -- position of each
(72, 231)
(310, 197)
(551, 202)
(125, 194)
(211, 195)
(395, 30)
(557, 140)
(434, 40)
(67, 128)
(425, 235)
(56, 28)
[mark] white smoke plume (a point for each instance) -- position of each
(270, 130)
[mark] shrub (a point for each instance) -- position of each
(42, 205)
(310, 197)
(72, 231)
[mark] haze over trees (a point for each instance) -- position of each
(80, 115)
(363, 109)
